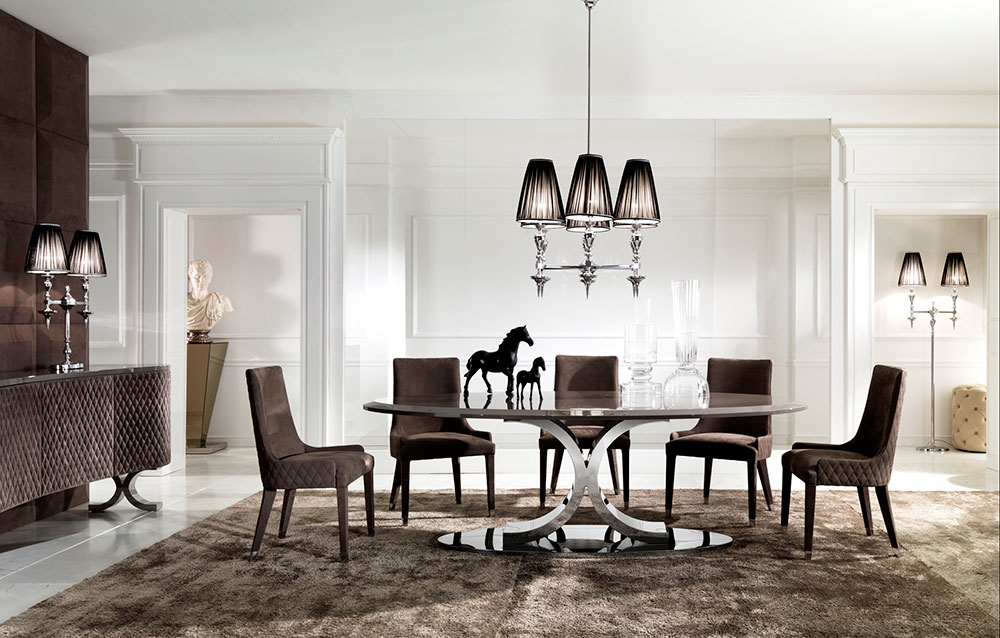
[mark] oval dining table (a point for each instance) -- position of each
(550, 533)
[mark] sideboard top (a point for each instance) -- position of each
(37, 376)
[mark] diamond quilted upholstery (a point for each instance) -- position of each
(78, 431)
(142, 421)
(20, 445)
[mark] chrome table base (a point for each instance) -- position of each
(549, 532)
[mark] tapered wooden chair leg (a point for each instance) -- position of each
(765, 483)
(542, 460)
(286, 512)
(810, 517)
(669, 489)
(404, 485)
(370, 501)
(708, 478)
(395, 487)
(556, 462)
(266, 501)
(625, 475)
(786, 494)
(613, 466)
(456, 472)
(491, 499)
(342, 520)
(752, 491)
(882, 493)
(866, 509)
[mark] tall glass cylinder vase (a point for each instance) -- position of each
(686, 387)
(640, 355)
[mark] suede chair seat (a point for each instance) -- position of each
(721, 445)
(287, 463)
(435, 445)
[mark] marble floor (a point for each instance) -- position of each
(41, 559)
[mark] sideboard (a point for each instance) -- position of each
(59, 432)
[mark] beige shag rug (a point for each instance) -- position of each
(943, 582)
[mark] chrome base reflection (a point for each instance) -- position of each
(584, 540)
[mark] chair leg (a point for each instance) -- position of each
(866, 509)
(765, 483)
(342, 520)
(542, 461)
(708, 478)
(810, 517)
(556, 462)
(395, 487)
(286, 512)
(613, 466)
(752, 491)
(404, 484)
(370, 501)
(669, 490)
(786, 494)
(266, 501)
(456, 472)
(491, 501)
(883, 502)
(625, 475)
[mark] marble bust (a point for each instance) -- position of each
(204, 309)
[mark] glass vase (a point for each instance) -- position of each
(640, 355)
(686, 387)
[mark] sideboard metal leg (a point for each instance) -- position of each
(117, 496)
(126, 487)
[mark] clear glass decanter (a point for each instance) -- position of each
(640, 355)
(686, 387)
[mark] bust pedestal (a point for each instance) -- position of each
(204, 370)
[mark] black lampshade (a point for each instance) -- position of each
(46, 251)
(86, 257)
(637, 204)
(589, 193)
(541, 202)
(601, 226)
(954, 273)
(912, 272)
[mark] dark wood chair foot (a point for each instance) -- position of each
(625, 471)
(456, 472)
(882, 493)
(866, 509)
(668, 504)
(613, 466)
(491, 501)
(752, 491)
(556, 464)
(342, 513)
(708, 479)
(286, 513)
(786, 495)
(765, 483)
(404, 484)
(266, 501)
(370, 501)
(810, 517)
(542, 461)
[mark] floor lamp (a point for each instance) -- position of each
(912, 274)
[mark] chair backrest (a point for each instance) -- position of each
(273, 428)
(586, 374)
(422, 377)
(879, 425)
(740, 376)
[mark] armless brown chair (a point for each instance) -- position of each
(745, 439)
(583, 374)
(286, 463)
(864, 461)
(417, 438)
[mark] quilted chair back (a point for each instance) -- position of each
(273, 428)
(423, 377)
(879, 425)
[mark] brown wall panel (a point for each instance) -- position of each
(17, 171)
(17, 288)
(17, 69)
(62, 182)
(60, 88)
(17, 347)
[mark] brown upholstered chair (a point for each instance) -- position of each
(864, 461)
(416, 438)
(583, 374)
(286, 463)
(745, 439)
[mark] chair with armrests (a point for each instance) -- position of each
(864, 461)
(745, 439)
(286, 463)
(584, 374)
(418, 438)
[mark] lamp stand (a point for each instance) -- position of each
(67, 303)
(934, 311)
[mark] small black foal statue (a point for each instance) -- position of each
(503, 360)
(531, 378)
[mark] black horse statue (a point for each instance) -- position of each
(531, 378)
(503, 360)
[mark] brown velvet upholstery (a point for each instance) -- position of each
(583, 374)
(289, 464)
(746, 439)
(418, 438)
(864, 461)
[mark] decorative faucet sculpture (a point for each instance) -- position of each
(502, 360)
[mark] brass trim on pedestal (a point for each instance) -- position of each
(204, 371)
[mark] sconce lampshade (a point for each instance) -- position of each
(541, 202)
(637, 204)
(954, 273)
(912, 272)
(589, 193)
(46, 251)
(86, 257)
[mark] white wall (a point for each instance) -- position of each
(256, 263)
(960, 352)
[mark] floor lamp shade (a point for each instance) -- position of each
(954, 273)
(637, 204)
(86, 257)
(589, 194)
(912, 271)
(46, 251)
(541, 201)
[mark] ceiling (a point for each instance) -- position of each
(529, 47)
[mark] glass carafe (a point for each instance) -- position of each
(686, 387)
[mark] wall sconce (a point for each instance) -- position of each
(47, 256)
(954, 274)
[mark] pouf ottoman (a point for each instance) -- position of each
(968, 418)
